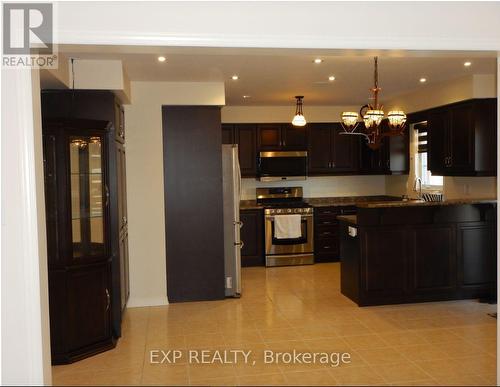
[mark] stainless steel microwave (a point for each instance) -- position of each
(283, 165)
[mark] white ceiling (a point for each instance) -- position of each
(274, 77)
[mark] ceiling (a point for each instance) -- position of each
(274, 77)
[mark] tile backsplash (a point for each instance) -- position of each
(327, 186)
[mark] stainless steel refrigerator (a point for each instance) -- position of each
(231, 181)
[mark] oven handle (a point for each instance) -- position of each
(303, 217)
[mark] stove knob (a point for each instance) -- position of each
(289, 210)
(278, 211)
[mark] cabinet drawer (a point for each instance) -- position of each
(327, 211)
(327, 222)
(327, 232)
(329, 245)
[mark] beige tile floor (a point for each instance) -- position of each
(442, 343)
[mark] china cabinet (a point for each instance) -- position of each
(79, 258)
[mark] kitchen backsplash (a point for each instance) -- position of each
(323, 186)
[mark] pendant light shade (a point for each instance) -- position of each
(299, 119)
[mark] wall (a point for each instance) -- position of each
(313, 186)
(473, 86)
(145, 193)
(25, 334)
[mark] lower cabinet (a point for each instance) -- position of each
(80, 312)
(433, 259)
(476, 244)
(384, 260)
(326, 234)
(388, 264)
(252, 236)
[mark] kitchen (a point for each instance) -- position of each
(315, 171)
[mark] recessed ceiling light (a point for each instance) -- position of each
(234, 77)
(161, 59)
(467, 64)
(423, 80)
(318, 60)
(331, 78)
(247, 96)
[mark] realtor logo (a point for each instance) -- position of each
(28, 35)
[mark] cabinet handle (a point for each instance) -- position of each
(326, 233)
(241, 244)
(327, 247)
(333, 164)
(108, 300)
(240, 223)
(451, 160)
(107, 194)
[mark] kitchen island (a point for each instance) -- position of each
(416, 251)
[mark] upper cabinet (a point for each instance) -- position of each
(275, 137)
(462, 138)
(329, 151)
(243, 135)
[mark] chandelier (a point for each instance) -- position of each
(373, 116)
(299, 119)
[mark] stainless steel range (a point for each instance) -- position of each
(293, 243)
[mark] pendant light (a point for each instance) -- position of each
(299, 119)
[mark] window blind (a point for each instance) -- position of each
(421, 129)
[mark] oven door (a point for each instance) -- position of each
(301, 245)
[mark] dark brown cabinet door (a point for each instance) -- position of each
(437, 135)
(461, 138)
(269, 137)
(89, 306)
(319, 150)
(293, 137)
(476, 251)
(252, 235)
(374, 162)
(228, 134)
(384, 262)
(247, 148)
(433, 259)
(344, 156)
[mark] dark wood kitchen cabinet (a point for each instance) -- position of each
(462, 138)
(375, 161)
(279, 137)
(476, 244)
(252, 236)
(421, 253)
(194, 229)
(331, 152)
(76, 175)
(243, 135)
(103, 105)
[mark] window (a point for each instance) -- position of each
(429, 180)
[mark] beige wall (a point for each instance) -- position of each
(473, 86)
(145, 180)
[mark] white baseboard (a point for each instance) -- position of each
(139, 302)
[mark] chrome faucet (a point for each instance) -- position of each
(417, 187)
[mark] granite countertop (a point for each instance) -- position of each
(416, 203)
(350, 200)
(329, 201)
(352, 219)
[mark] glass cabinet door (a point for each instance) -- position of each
(88, 196)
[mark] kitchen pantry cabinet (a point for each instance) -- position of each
(72, 105)
(329, 152)
(281, 137)
(252, 236)
(462, 138)
(243, 135)
(79, 250)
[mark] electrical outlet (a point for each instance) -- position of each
(229, 282)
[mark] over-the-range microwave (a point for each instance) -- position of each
(282, 165)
